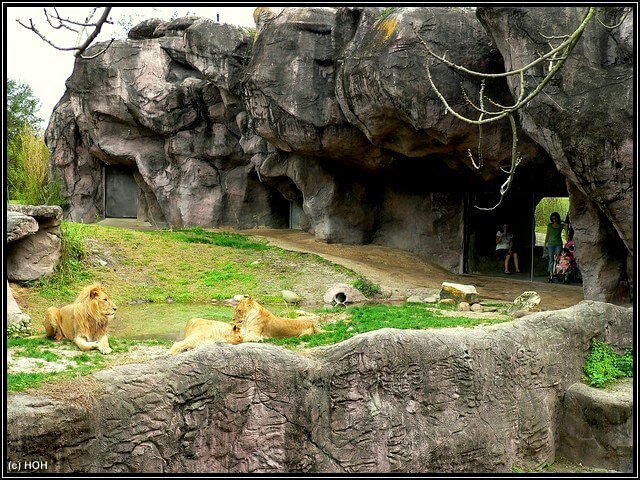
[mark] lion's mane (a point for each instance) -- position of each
(85, 321)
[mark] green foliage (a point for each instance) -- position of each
(71, 268)
(625, 363)
(28, 178)
(366, 318)
(22, 328)
(385, 13)
(603, 365)
(250, 31)
(367, 287)
(22, 106)
(547, 206)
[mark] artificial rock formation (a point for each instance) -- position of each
(473, 400)
(33, 241)
(328, 111)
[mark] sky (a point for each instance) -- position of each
(30, 60)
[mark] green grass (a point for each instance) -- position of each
(220, 239)
(366, 287)
(366, 318)
(159, 279)
(603, 365)
(82, 363)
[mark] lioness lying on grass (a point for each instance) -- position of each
(199, 331)
(254, 323)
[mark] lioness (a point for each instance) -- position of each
(200, 330)
(255, 323)
(85, 321)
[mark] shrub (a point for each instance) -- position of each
(71, 266)
(603, 365)
(367, 287)
(547, 206)
(28, 176)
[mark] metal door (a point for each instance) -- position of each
(120, 192)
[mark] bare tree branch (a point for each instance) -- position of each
(556, 58)
(96, 31)
(57, 22)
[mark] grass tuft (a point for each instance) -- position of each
(603, 365)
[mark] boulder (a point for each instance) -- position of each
(476, 307)
(14, 312)
(528, 302)
(596, 427)
(20, 225)
(464, 307)
(291, 297)
(459, 292)
(34, 246)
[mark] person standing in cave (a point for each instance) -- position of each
(553, 240)
(504, 248)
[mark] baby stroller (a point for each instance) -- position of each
(564, 268)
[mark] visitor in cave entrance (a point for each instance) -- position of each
(505, 250)
(553, 240)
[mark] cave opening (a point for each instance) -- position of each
(527, 214)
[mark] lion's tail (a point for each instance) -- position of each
(52, 322)
(317, 329)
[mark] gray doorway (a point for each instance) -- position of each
(295, 210)
(120, 192)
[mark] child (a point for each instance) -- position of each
(564, 261)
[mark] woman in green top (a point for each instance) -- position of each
(553, 239)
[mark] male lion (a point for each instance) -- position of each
(199, 331)
(255, 323)
(85, 321)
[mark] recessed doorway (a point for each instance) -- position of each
(120, 192)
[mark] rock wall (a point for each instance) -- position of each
(33, 241)
(597, 426)
(330, 110)
(405, 401)
(576, 122)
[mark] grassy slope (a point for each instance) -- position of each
(175, 275)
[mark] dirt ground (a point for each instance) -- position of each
(404, 273)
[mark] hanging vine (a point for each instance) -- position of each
(555, 57)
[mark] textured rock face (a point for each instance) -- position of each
(168, 108)
(329, 110)
(14, 313)
(33, 237)
(597, 427)
(445, 400)
(585, 122)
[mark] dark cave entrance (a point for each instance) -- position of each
(518, 210)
